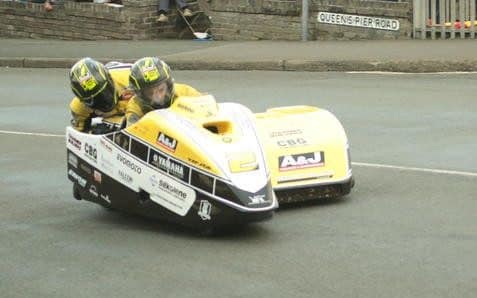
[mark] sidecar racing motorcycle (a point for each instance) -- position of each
(205, 164)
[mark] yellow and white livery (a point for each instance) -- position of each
(207, 164)
(307, 152)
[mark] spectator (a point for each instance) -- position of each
(47, 4)
(164, 9)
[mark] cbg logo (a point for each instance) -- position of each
(91, 151)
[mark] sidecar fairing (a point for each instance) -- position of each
(197, 163)
(307, 153)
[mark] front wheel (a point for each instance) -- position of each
(76, 192)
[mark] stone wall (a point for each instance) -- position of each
(281, 19)
(90, 21)
(231, 19)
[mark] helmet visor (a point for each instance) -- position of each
(158, 96)
(103, 100)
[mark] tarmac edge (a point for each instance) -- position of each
(407, 66)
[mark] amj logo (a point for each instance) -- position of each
(300, 161)
(166, 142)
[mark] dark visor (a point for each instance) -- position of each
(103, 101)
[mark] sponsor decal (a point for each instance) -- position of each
(177, 170)
(125, 161)
(97, 176)
(93, 190)
(166, 186)
(154, 181)
(185, 108)
(198, 164)
(283, 133)
(91, 151)
(106, 164)
(72, 160)
(171, 194)
(139, 129)
(81, 181)
(158, 160)
(166, 142)
(257, 200)
(105, 145)
(304, 177)
(74, 141)
(358, 21)
(205, 209)
(105, 197)
(193, 161)
(170, 166)
(300, 161)
(125, 177)
(149, 70)
(85, 168)
(292, 142)
(85, 78)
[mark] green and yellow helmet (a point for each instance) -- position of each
(92, 84)
(149, 72)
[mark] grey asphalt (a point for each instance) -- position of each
(399, 233)
(374, 55)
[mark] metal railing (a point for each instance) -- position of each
(444, 19)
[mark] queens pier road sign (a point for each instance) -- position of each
(358, 21)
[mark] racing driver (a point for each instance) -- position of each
(155, 88)
(101, 91)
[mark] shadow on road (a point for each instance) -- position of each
(134, 222)
(314, 204)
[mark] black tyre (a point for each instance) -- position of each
(76, 192)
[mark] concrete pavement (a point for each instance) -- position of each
(370, 55)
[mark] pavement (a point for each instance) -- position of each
(371, 55)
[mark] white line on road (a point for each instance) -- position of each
(37, 134)
(434, 171)
(410, 73)
(359, 164)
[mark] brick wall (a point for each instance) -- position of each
(90, 21)
(231, 19)
(281, 19)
